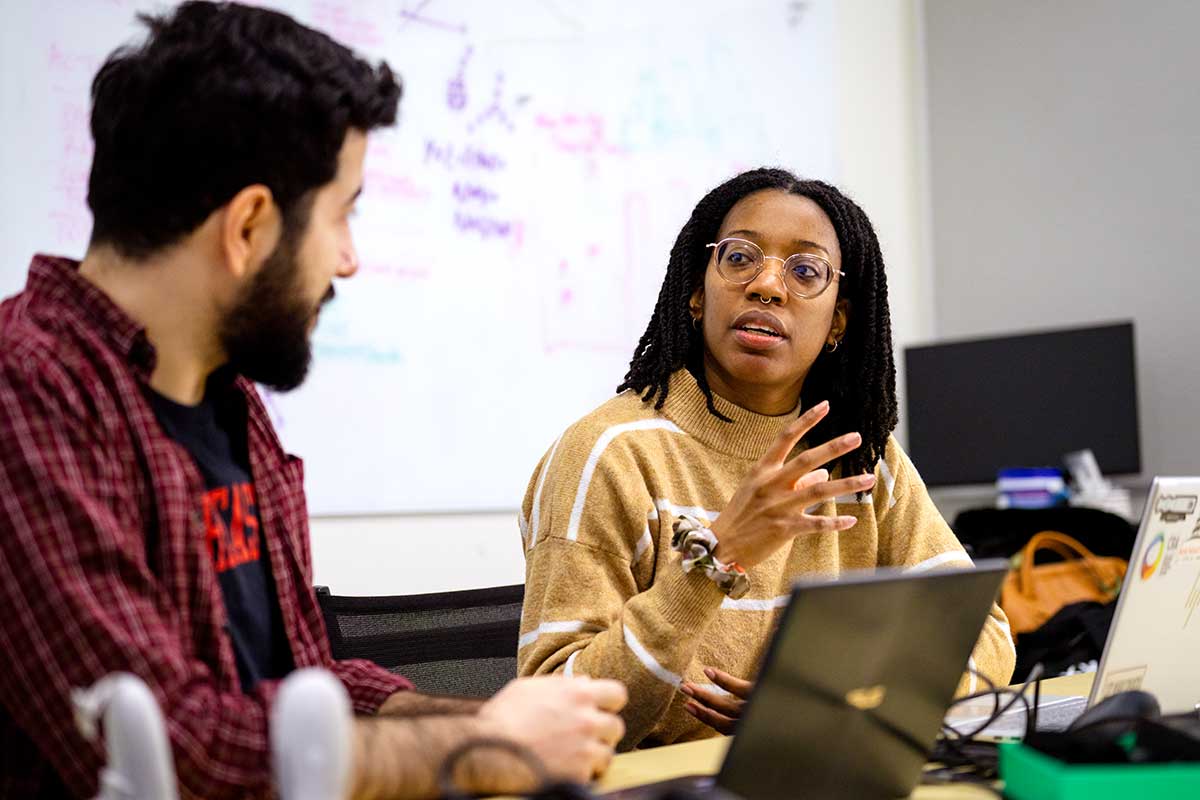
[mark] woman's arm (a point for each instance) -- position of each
(913, 534)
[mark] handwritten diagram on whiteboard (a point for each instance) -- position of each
(515, 224)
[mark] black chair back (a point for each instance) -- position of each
(452, 643)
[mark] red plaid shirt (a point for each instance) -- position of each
(103, 556)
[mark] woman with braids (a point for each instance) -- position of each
(750, 443)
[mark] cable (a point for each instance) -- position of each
(965, 760)
(1018, 695)
(547, 789)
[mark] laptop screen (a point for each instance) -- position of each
(858, 676)
(1154, 642)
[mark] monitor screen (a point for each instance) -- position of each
(1022, 401)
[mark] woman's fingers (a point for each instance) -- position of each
(735, 686)
(792, 517)
(811, 478)
(814, 457)
(777, 453)
(817, 492)
(771, 505)
(713, 699)
(718, 722)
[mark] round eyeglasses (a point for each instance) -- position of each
(805, 274)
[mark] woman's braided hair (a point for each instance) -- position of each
(858, 378)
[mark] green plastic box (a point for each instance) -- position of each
(1031, 775)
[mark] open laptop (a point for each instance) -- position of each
(853, 688)
(1154, 641)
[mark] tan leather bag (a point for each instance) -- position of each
(1033, 593)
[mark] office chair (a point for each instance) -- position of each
(455, 643)
(1002, 532)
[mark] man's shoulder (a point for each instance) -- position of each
(42, 351)
(29, 341)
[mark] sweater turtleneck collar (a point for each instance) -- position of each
(748, 436)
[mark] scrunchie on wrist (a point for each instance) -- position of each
(696, 541)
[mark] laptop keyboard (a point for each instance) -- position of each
(1053, 714)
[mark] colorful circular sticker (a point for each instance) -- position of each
(1153, 556)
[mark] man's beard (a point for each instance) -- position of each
(266, 334)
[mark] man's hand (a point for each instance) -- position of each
(715, 709)
(571, 724)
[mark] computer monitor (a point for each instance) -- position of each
(975, 407)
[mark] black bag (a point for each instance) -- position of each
(1072, 637)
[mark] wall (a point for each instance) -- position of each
(1065, 142)
(880, 148)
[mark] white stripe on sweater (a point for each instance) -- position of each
(537, 495)
(650, 662)
(889, 481)
(567, 626)
(569, 669)
(747, 604)
(672, 510)
(972, 681)
(594, 458)
(643, 544)
(1005, 629)
(939, 559)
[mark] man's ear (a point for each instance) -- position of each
(841, 318)
(696, 302)
(250, 230)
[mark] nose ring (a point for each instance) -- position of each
(766, 301)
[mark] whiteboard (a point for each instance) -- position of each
(514, 227)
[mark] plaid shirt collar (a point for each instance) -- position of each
(57, 280)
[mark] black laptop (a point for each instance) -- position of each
(853, 689)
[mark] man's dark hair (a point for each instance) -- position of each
(219, 97)
(858, 378)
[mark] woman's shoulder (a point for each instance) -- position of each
(624, 413)
(893, 457)
(892, 464)
(599, 446)
(609, 435)
(898, 463)
(898, 476)
(892, 460)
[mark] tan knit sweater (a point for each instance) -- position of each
(605, 595)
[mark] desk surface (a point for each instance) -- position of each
(704, 757)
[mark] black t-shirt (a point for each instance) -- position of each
(214, 432)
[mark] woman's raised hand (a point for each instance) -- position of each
(770, 507)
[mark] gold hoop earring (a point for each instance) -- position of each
(696, 323)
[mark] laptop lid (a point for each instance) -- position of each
(1154, 642)
(853, 688)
